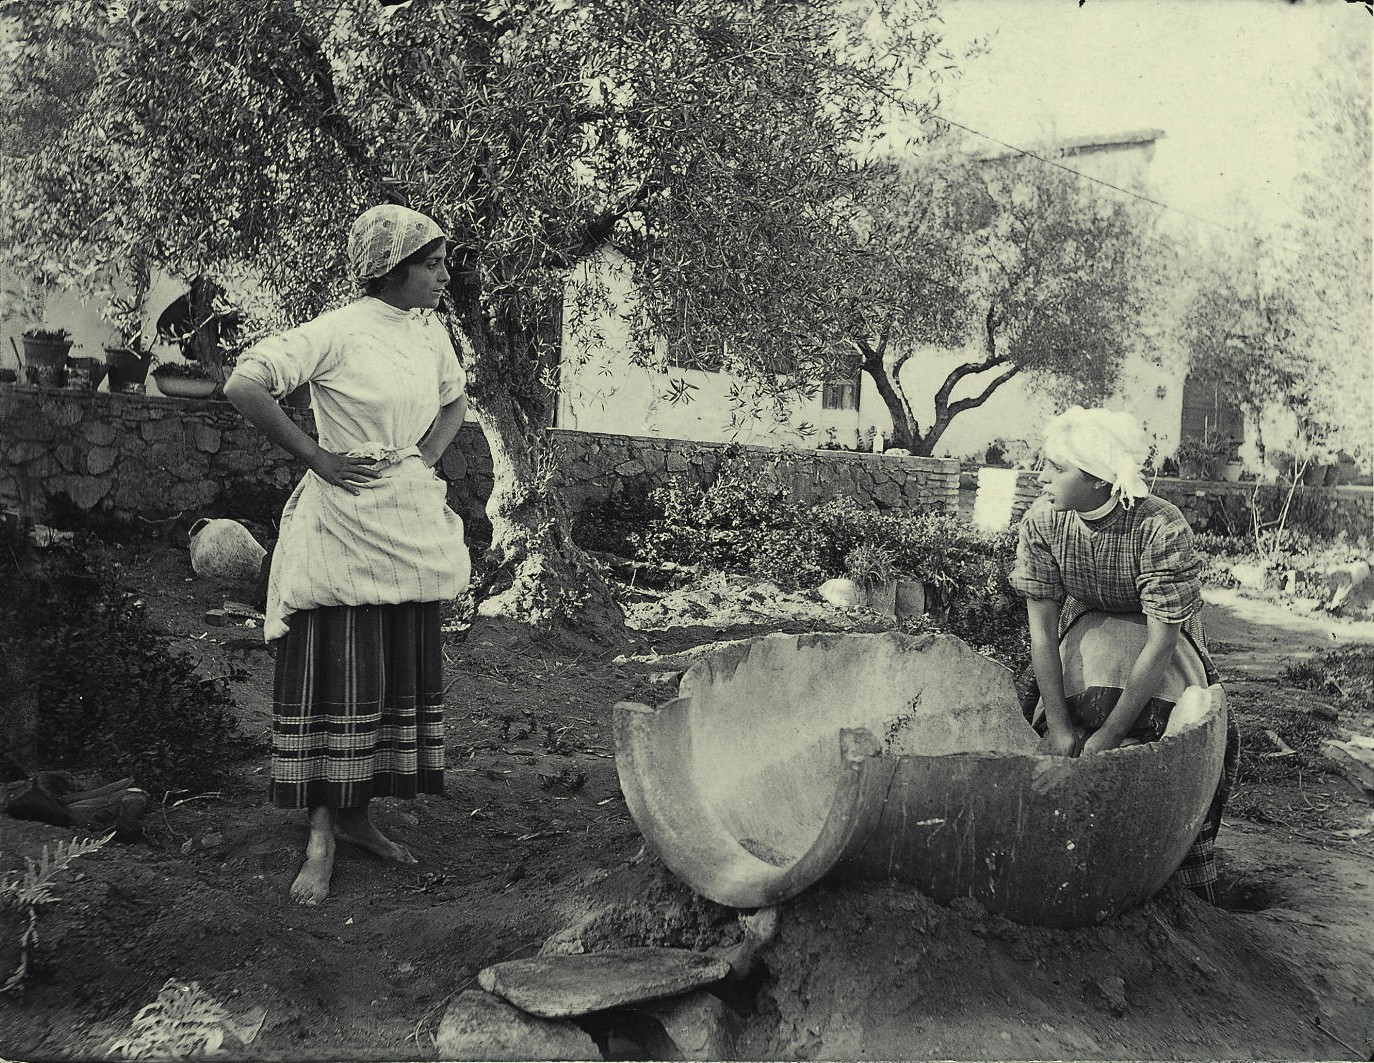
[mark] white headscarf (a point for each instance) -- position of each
(1108, 444)
(384, 235)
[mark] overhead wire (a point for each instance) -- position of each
(1268, 241)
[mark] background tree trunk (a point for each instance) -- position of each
(536, 573)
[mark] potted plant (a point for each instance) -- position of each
(184, 380)
(871, 568)
(85, 374)
(128, 364)
(1201, 459)
(45, 355)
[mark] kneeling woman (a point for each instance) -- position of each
(1099, 559)
(368, 549)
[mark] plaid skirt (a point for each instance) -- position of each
(358, 706)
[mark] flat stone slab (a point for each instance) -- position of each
(1355, 759)
(478, 1025)
(559, 986)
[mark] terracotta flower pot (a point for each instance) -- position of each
(184, 387)
(127, 368)
(45, 361)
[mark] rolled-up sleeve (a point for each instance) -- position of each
(453, 379)
(1169, 583)
(1036, 572)
(284, 362)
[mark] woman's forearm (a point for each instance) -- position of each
(261, 410)
(1043, 616)
(1144, 681)
(444, 430)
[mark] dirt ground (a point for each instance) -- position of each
(533, 839)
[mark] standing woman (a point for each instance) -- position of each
(1114, 600)
(368, 548)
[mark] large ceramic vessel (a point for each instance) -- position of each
(793, 757)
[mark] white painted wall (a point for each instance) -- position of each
(603, 391)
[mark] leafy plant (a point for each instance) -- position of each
(869, 566)
(24, 892)
(742, 523)
(182, 1023)
(48, 335)
(186, 370)
(112, 697)
(1204, 457)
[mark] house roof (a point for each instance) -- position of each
(1081, 145)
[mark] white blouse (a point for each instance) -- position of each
(378, 377)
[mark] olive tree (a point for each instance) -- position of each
(709, 141)
(1038, 272)
(1284, 322)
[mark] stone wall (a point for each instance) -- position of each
(595, 467)
(136, 457)
(1224, 508)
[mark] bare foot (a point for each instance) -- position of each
(312, 883)
(356, 826)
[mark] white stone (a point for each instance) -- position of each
(560, 986)
(698, 1024)
(1343, 580)
(1251, 576)
(843, 593)
(225, 549)
(478, 1025)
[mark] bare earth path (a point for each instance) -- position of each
(533, 840)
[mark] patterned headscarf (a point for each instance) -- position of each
(384, 235)
(1108, 444)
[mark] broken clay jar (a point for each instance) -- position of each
(225, 550)
(792, 757)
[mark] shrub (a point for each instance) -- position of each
(103, 692)
(742, 523)
(1346, 674)
(610, 524)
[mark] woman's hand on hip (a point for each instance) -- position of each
(340, 470)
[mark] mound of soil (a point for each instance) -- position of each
(532, 848)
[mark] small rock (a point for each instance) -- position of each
(1355, 759)
(698, 1024)
(565, 942)
(843, 593)
(213, 840)
(560, 986)
(479, 1026)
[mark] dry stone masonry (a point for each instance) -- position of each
(150, 457)
(154, 458)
